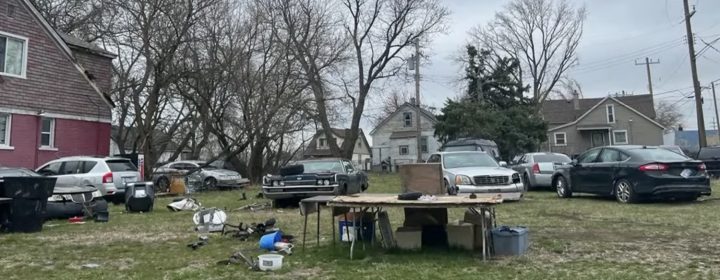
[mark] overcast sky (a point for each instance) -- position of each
(616, 33)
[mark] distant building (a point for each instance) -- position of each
(319, 147)
(579, 124)
(395, 137)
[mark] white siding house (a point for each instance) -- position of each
(395, 138)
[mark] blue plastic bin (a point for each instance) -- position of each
(510, 241)
(267, 241)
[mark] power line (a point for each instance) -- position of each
(633, 54)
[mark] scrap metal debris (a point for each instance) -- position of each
(237, 258)
(255, 206)
(189, 204)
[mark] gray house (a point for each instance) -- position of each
(395, 137)
(579, 124)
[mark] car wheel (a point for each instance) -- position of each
(562, 188)
(526, 182)
(163, 185)
(210, 183)
(624, 192)
(450, 190)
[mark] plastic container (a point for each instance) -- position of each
(139, 197)
(29, 204)
(510, 241)
(268, 262)
(348, 232)
(267, 241)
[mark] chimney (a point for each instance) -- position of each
(576, 100)
(412, 101)
(680, 128)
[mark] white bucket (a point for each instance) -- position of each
(270, 262)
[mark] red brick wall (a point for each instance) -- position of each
(72, 138)
(53, 84)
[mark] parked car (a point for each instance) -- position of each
(711, 157)
(537, 169)
(107, 174)
(472, 144)
(476, 172)
(66, 200)
(631, 173)
(307, 178)
(209, 176)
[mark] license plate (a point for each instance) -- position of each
(686, 173)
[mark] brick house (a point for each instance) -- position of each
(53, 91)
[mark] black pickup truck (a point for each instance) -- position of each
(711, 157)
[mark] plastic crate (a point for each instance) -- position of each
(510, 241)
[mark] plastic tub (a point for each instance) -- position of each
(268, 262)
(510, 241)
(267, 241)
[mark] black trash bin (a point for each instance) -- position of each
(30, 195)
(139, 197)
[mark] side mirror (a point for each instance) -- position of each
(503, 163)
(574, 162)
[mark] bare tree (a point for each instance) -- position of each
(566, 91)
(375, 38)
(542, 34)
(667, 115)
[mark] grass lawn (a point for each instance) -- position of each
(584, 237)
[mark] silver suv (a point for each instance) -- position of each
(107, 174)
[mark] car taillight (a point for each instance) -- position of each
(107, 178)
(536, 168)
(702, 167)
(654, 167)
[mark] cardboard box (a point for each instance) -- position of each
(461, 235)
(408, 238)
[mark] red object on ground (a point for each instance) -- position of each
(75, 220)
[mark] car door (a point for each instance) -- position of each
(69, 174)
(521, 165)
(353, 178)
(602, 174)
(581, 170)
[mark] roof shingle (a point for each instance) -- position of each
(557, 112)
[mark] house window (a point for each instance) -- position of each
(47, 134)
(560, 139)
(359, 144)
(13, 55)
(322, 142)
(404, 150)
(407, 118)
(610, 113)
(4, 129)
(620, 137)
(424, 144)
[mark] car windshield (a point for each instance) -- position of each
(457, 160)
(121, 165)
(659, 155)
(460, 148)
(322, 166)
(552, 158)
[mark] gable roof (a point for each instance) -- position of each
(55, 36)
(77, 43)
(312, 149)
(558, 112)
(618, 101)
(426, 113)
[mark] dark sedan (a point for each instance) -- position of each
(630, 173)
(315, 177)
(66, 201)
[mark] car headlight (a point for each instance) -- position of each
(516, 178)
(326, 182)
(276, 183)
(282, 183)
(96, 194)
(55, 198)
(462, 180)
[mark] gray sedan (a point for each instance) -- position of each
(209, 177)
(537, 168)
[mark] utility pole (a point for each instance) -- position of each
(647, 63)
(717, 116)
(696, 84)
(417, 99)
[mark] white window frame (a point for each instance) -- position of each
(8, 127)
(23, 72)
(607, 113)
(627, 141)
(400, 150)
(52, 134)
(555, 137)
